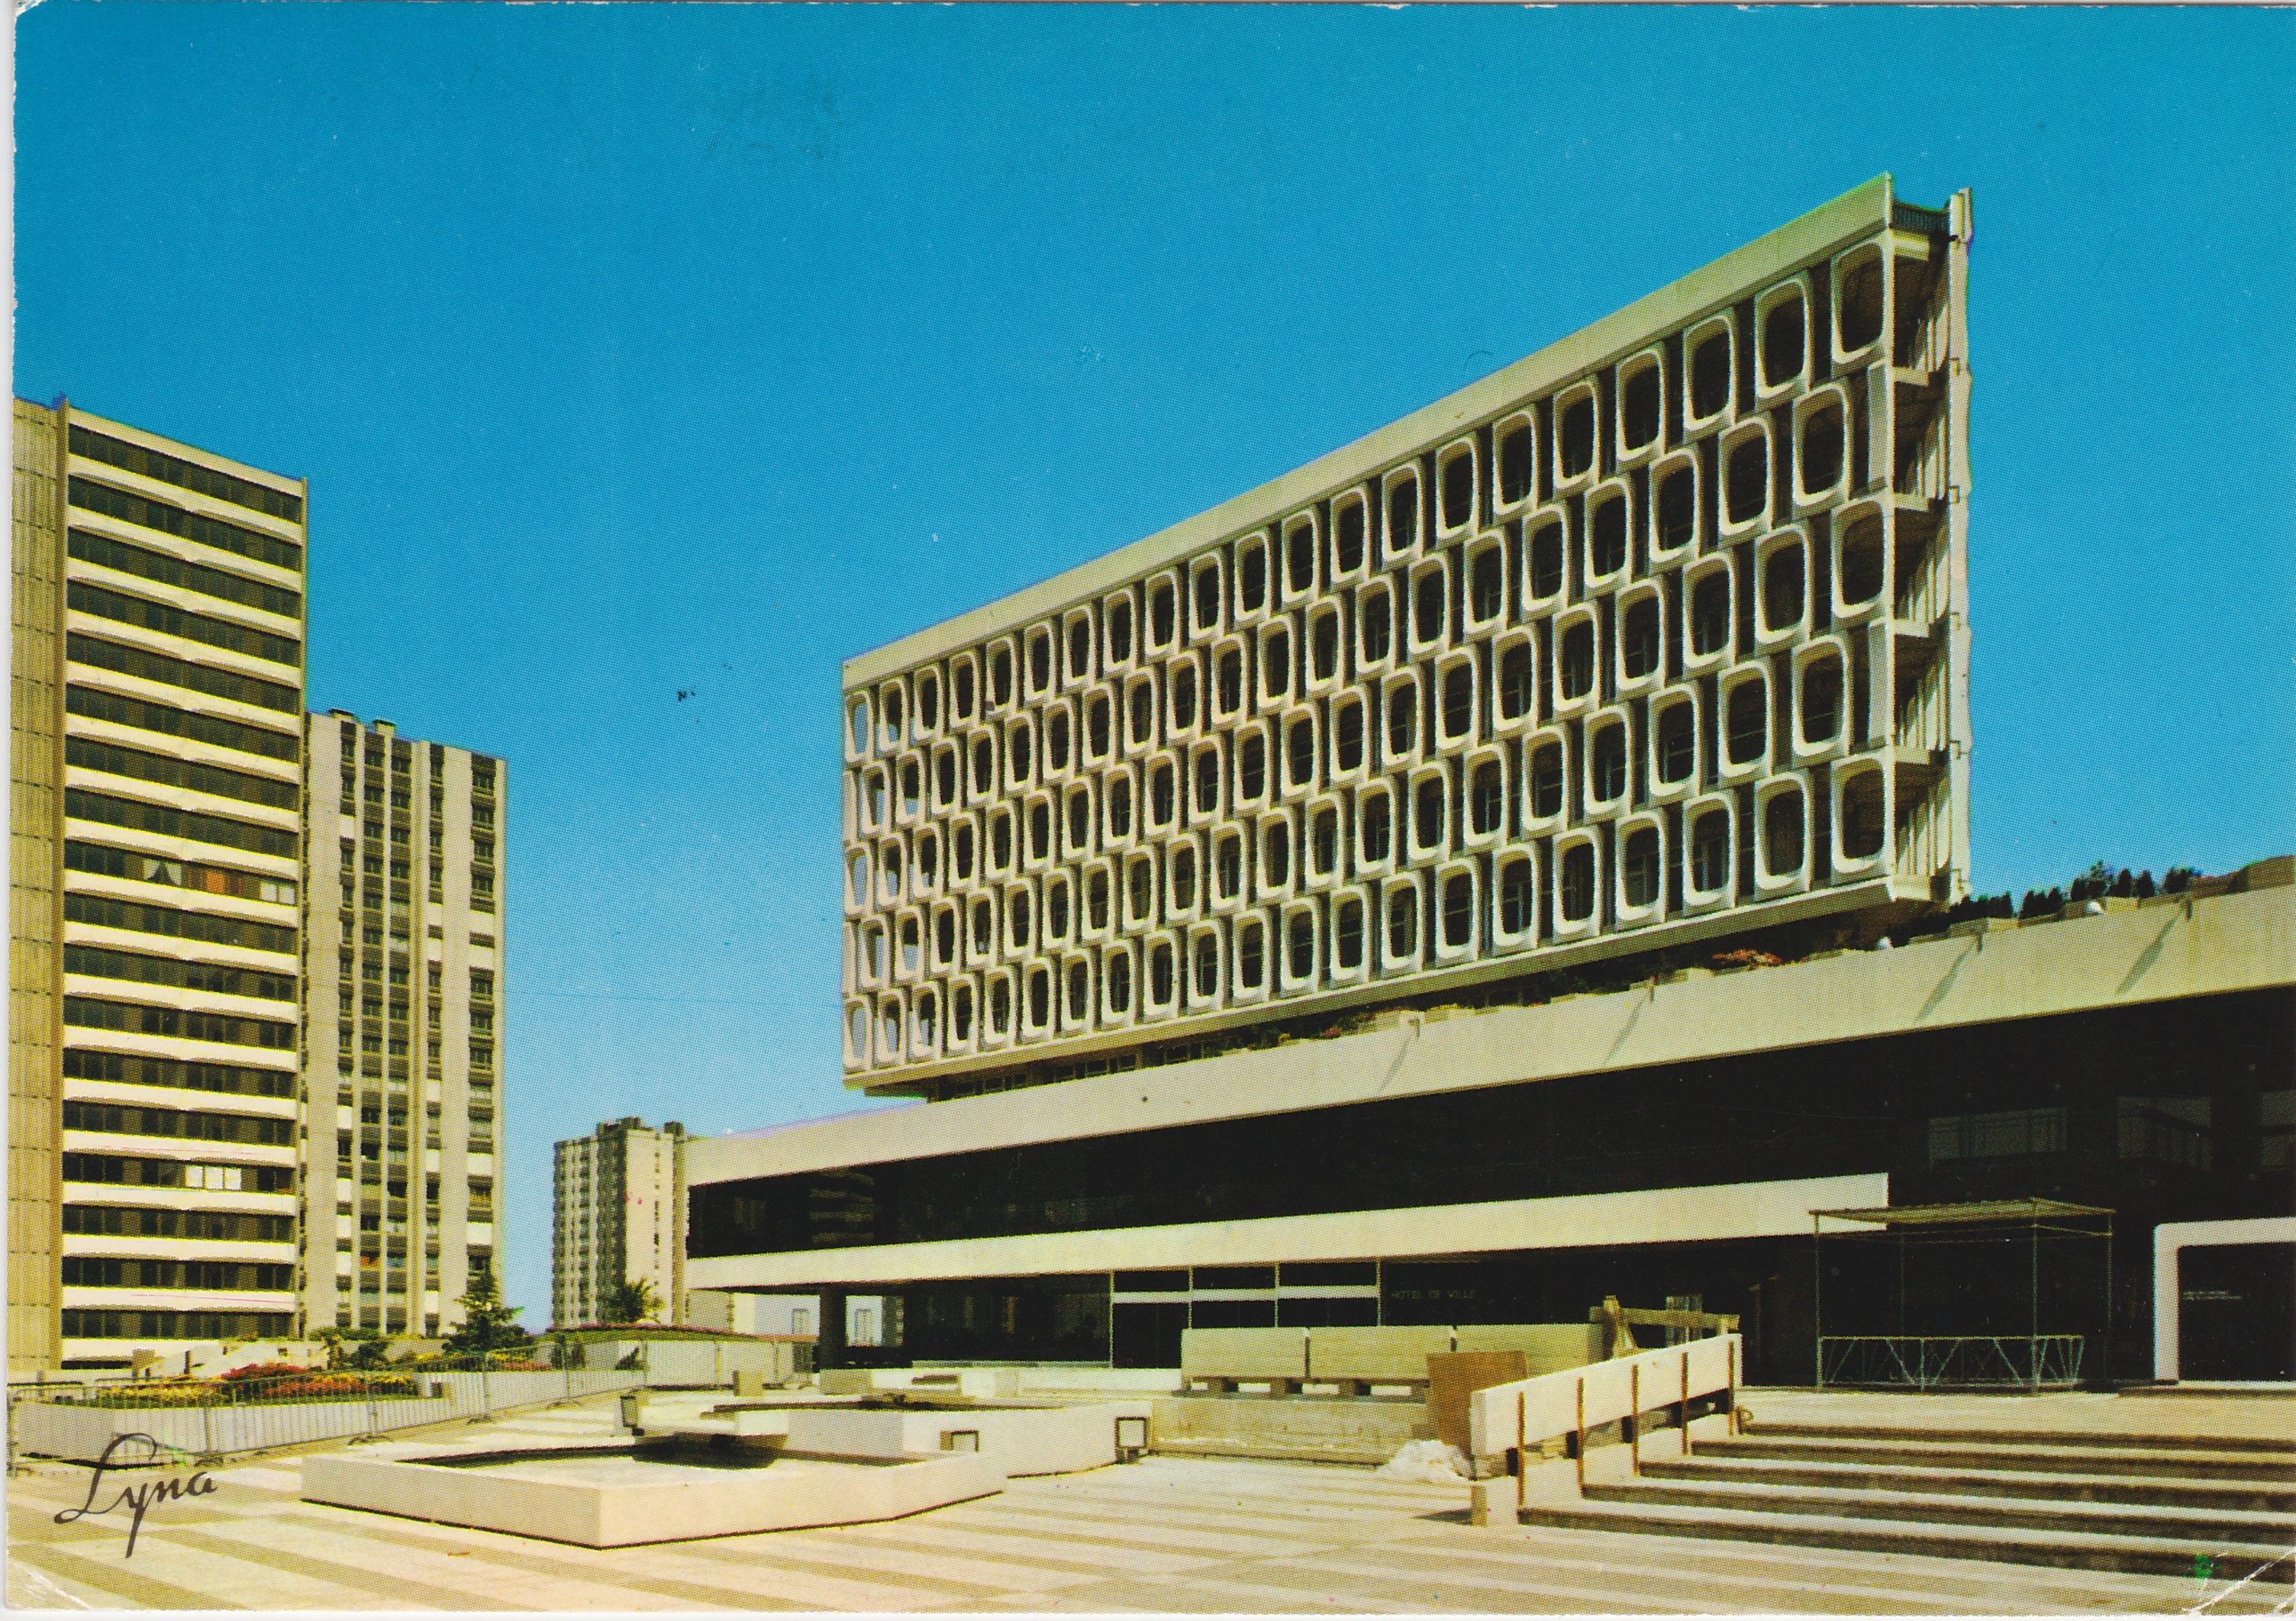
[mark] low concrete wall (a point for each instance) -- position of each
(980, 1382)
(622, 1514)
(1251, 1354)
(78, 1433)
(1375, 1354)
(1291, 1426)
(1547, 1347)
(708, 1363)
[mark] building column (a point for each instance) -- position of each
(829, 1345)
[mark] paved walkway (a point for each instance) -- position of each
(1168, 1534)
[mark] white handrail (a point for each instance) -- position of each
(1570, 1403)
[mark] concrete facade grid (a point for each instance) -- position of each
(1673, 636)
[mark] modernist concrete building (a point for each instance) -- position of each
(404, 957)
(1357, 856)
(1657, 636)
(1668, 1138)
(618, 1215)
(155, 834)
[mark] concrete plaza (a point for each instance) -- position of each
(1167, 1534)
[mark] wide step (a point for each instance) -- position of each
(2147, 1555)
(2053, 1458)
(2037, 1513)
(2275, 1449)
(2241, 1497)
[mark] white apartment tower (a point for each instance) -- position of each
(155, 848)
(402, 1060)
(618, 1215)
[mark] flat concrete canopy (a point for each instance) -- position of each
(1967, 1212)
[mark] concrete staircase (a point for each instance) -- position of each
(2219, 1507)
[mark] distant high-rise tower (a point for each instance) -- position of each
(618, 1215)
(155, 849)
(403, 1057)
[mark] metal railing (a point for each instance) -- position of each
(1969, 1361)
(217, 1417)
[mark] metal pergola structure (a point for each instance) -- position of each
(1920, 1361)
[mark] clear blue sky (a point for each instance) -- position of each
(638, 350)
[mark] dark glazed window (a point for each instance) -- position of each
(1458, 490)
(1515, 463)
(1546, 558)
(1577, 673)
(1748, 485)
(1299, 556)
(1458, 909)
(1639, 638)
(1577, 889)
(1709, 612)
(1251, 578)
(1120, 626)
(1710, 851)
(1677, 742)
(1749, 721)
(1276, 663)
(1514, 896)
(1119, 984)
(1487, 584)
(1782, 832)
(1862, 812)
(1546, 780)
(1347, 536)
(1080, 648)
(1347, 928)
(1375, 827)
(1162, 613)
(1709, 376)
(1375, 626)
(1183, 697)
(1249, 949)
(1427, 813)
(1861, 295)
(1403, 718)
(1430, 603)
(1781, 588)
(1159, 974)
(1783, 340)
(1489, 797)
(1402, 514)
(1000, 677)
(1821, 700)
(1863, 556)
(1403, 922)
(1251, 766)
(1347, 721)
(1638, 408)
(1607, 758)
(1575, 436)
(1677, 507)
(1515, 681)
(1299, 744)
(1458, 700)
(1822, 449)
(1606, 526)
(1207, 597)
(1640, 866)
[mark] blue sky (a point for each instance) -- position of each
(633, 351)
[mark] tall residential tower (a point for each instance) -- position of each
(404, 964)
(155, 832)
(618, 1215)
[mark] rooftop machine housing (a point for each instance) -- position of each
(1653, 640)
